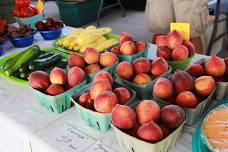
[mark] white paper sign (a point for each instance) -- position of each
(99, 147)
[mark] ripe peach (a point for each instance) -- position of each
(84, 97)
(142, 78)
(150, 132)
(163, 88)
(125, 70)
(58, 76)
(115, 50)
(76, 60)
(164, 52)
(107, 59)
(196, 70)
(55, 89)
(133, 131)
(123, 95)
(182, 81)
(128, 48)
(147, 110)
(162, 40)
(105, 102)
(174, 39)
(99, 86)
(75, 76)
(204, 85)
(190, 46)
(91, 68)
(39, 80)
(140, 46)
(180, 53)
(123, 117)
(186, 99)
(165, 130)
(215, 66)
(141, 65)
(172, 116)
(226, 62)
(159, 66)
(124, 37)
(91, 56)
(103, 75)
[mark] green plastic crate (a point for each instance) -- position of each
(58, 103)
(78, 13)
(5, 11)
(182, 65)
(95, 119)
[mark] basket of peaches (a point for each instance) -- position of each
(173, 48)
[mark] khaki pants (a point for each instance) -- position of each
(160, 13)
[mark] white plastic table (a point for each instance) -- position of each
(25, 126)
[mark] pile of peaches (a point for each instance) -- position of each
(172, 47)
(142, 71)
(92, 61)
(148, 122)
(102, 97)
(127, 46)
(57, 82)
(182, 90)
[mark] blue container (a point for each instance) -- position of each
(1, 48)
(30, 20)
(51, 35)
(23, 41)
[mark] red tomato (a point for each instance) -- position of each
(3, 23)
(21, 3)
(16, 12)
(28, 11)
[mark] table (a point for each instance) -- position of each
(28, 127)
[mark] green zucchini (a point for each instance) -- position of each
(40, 64)
(61, 64)
(45, 55)
(24, 75)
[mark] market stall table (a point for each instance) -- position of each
(28, 127)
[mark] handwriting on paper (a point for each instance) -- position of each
(99, 147)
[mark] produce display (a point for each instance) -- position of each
(20, 32)
(24, 9)
(90, 37)
(3, 30)
(49, 24)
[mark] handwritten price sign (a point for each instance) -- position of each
(99, 147)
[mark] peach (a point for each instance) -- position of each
(107, 59)
(123, 95)
(159, 66)
(123, 117)
(55, 89)
(99, 86)
(204, 85)
(91, 68)
(128, 48)
(115, 50)
(195, 70)
(172, 116)
(147, 110)
(226, 62)
(140, 46)
(103, 75)
(215, 66)
(39, 80)
(161, 40)
(91, 56)
(174, 39)
(180, 53)
(76, 60)
(163, 88)
(164, 52)
(182, 81)
(142, 78)
(58, 76)
(83, 99)
(75, 76)
(133, 131)
(125, 37)
(150, 132)
(141, 65)
(165, 130)
(105, 102)
(186, 99)
(125, 70)
(190, 46)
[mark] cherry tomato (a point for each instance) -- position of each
(16, 12)
(21, 3)
(27, 11)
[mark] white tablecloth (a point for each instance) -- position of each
(25, 126)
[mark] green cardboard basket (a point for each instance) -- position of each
(182, 65)
(95, 119)
(143, 91)
(131, 58)
(193, 114)
(133, 144)
(58, 103)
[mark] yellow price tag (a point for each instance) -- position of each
(183, 28)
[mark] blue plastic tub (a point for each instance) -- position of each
(51, 35)
(1, 48)
(23, 41)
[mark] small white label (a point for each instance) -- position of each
(99, 147)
